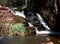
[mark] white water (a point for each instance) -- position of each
(41, 21)
(41, 32)
(48, 30)
(18, 13)
(44, 25)
(30, 25)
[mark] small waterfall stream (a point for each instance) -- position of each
(44, 25)
(48, 30)
(42, 22)
(18, 13)
(39, 18)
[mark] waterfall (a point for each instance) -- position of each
(30, 25)
(47, 31)
(20, 14)
(42, 22)
(44, 25)
(41, 32)
(17, 13)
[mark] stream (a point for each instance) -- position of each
(36, 20)
(42, 31)
(30, 40)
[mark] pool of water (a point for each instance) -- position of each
(38, 39)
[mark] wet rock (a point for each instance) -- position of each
(48, 39)
(6, 16)
(50, 43)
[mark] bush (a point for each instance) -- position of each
(17, 27)
(14, 29)
(3, 2)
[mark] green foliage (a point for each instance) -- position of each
(14, 28)
(19, 8)
(3, 2)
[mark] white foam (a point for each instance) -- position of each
(42, 21)
(20, 14)
(30, 25)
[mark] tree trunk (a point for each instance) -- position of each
(56, 4)
(56, 7)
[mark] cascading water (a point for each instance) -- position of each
(31, 22)
(32, 18)
(48, 30)
(44, 25)
(41, 32)
(17, 13)
(20, 14)
(42, 21)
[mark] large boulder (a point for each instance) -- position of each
(7, 20)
